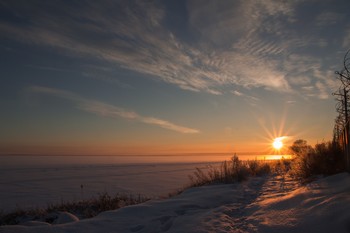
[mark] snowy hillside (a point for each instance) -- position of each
(268, 204)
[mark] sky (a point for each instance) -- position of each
(167, 77)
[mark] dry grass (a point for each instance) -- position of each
(236, 170)
(82, 209)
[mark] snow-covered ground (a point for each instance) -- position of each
(265, 204)
(36, 181)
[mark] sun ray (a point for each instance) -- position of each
(276, 130)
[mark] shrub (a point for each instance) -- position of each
(281, 166)
(325, 158)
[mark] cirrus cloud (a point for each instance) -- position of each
(250, 44)
(108, 110)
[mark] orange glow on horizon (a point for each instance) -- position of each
(274, 157)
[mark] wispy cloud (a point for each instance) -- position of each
(323, 91)
(307, 76)
(248, 98)
(346, 40)
(108, 110)
(328, 18)
(249, 44)
(237, 93)
(105, 74)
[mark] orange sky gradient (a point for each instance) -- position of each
(168, 77)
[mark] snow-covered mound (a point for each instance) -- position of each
(269, 204)
(321, 206)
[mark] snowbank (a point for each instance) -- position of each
(269, 204)
(322, 206)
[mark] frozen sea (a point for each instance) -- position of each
(36, 181)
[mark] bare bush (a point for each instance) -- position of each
(325, 158)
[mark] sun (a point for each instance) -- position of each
(277, 143)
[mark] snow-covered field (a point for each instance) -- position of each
(35, 181)
(265, 204)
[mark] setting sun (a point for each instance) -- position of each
(277, 143)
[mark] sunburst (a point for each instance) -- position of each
(277, 143)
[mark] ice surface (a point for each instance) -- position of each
(267, 204)
(36, 181)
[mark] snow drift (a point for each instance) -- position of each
(262, 204)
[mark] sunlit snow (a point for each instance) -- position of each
(265, 204)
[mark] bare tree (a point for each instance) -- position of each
(341, 132)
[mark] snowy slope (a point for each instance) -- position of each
(269, 204)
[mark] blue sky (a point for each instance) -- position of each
(130, 77)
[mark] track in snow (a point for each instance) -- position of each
(256, 190)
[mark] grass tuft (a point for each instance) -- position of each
(82, 209)
(230, 171)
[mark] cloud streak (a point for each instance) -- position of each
(108, 110)
(248, 98)
(247, 45)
